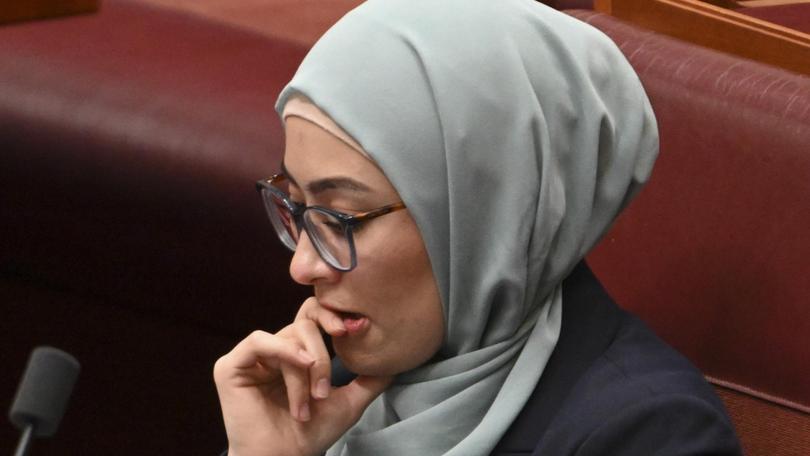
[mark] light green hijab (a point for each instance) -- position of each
(515, 134)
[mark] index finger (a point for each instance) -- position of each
(325, 318)
(263, 346)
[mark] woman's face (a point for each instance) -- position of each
(390, 303)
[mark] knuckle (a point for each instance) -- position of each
(256, 339)
(322, 363)
(257, 334)
(220, 367)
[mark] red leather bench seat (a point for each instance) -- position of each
(132, 139)
(131, 234)
(715, 252)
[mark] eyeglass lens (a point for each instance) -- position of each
(326, 232)
(329, 236)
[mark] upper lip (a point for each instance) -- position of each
(334, 309)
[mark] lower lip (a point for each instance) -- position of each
(355, 326)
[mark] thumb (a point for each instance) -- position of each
(344, 407)
(358, 394)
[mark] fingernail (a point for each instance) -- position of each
(339, 324)
(322, 389)
(303, 412)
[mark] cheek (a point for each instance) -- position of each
(399, 277)
(422, 331)
(404, 302)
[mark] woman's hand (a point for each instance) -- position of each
(275, 393)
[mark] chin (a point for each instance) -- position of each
(362, 362)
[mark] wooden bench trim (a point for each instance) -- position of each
(717, 28)
(766, 427)
(741, 389)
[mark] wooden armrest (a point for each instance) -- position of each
(13, 11)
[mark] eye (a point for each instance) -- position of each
(333, 225)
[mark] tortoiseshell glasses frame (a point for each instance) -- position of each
(331, 232)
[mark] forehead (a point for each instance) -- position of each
(311, 153)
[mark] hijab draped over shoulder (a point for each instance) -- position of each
(514, 134)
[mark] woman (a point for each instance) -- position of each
(447, 166)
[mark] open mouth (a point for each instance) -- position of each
(354, 322)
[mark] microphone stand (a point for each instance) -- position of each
(25, 439)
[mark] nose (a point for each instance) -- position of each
(307, 267)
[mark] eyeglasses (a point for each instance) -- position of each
(330, 231)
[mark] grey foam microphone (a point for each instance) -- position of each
(43, 393)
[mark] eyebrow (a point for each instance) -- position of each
(329, 183)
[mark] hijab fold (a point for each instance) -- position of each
(514, 134)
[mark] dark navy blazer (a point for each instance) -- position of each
(612, 387)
